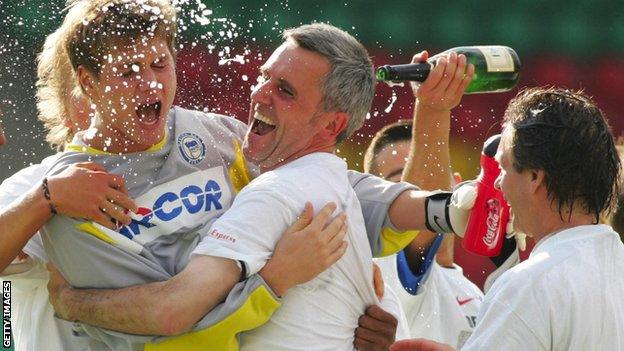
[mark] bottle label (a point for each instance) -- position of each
(492, 222)
(498, 59)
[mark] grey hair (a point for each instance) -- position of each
(349, 86)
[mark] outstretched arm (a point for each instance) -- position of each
(428, 165)
(82, 190)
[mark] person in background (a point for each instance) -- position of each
(560, 171)
(438, 301)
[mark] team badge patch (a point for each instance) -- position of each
(191, 148)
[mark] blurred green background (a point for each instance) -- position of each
(575, 44)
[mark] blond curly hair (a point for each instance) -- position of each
(56, 83)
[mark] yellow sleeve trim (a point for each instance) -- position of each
(91, 229)
(93, 151)
(256, 311)
(239, 172)
(393, 241)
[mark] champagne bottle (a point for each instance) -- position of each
(496, 68)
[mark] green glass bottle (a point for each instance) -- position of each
(497, 69)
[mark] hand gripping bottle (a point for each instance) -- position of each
(488, 219)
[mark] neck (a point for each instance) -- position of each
(309, 150)
(112, 141)
(553, 223)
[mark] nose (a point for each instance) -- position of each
(262, 92)
(147, 80)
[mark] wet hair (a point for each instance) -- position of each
(392, 133)
(349, 86)
(95, 27)
(56, 83)
(564, 133)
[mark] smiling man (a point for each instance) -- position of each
(183, 168)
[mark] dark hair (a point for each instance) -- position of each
(392, 133)
(565, 134)
(103, 24)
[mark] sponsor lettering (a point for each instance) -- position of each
(222, 236)
(170, 205)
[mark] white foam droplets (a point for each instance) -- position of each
(245, 78)
(107, 89)
(393, 99)
(238, 58)
(135, 68)
(153, 84)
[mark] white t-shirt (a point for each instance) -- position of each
(33, 323)
(566, 296)
(323, 313)
(445, 305)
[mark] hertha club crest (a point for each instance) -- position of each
(191, 148)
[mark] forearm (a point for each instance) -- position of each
(407, 211)
(19, 221)
(161, 308)
(129, 310)
(428, 167)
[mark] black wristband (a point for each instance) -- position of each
(436, 212)
(243, 274)
(46, 195)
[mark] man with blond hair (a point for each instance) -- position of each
(24, 209)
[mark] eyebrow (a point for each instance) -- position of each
(282, 81)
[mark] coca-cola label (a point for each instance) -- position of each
(492, 221)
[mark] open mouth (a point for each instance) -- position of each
(149, 114)
(262, 125)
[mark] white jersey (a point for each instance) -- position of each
(323, 313)
(444, 304)
(566, 296)
(33, 323)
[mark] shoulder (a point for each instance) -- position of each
(212, 121)
(458, 282)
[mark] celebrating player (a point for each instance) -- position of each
(559, 172)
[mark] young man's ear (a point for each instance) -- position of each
(336, 125)
(86, 80)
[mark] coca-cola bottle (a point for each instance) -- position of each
(488, 219)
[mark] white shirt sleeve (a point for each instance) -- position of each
(13, 188)
(249, 230)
